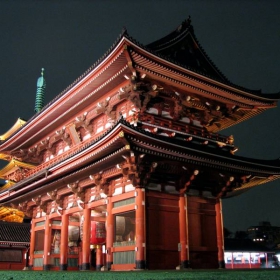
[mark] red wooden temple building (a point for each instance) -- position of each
(125, 168)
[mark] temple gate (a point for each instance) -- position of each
(125, 169)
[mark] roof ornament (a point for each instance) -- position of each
(40, 94)
(184, 25)
(188, 22)
(124, 31)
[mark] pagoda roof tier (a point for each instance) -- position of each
(9, 214)
(6, 157)
(18, 124)
(127, 58)
(182, 47)
(7, 185)
(12, 166)
(173, 157)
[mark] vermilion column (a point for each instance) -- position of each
(32, 244)
(47, 244)
(109, 234)
(184, 253)
(86, 240)
(220, 233)
(64, 242)
(99, 255)
(140, 229)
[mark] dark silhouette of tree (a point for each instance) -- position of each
(227, 232)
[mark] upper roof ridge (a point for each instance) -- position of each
(183, 47)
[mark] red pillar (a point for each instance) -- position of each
(109, 234)
(80, 256)
(47, 244)
(140, 229)
(32, 244)
(64, 242)
(99, 255)
(86, 240)
(183, 225)
(220, 233)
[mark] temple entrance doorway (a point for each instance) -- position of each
(162, 215)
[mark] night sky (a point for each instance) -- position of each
(66, 37)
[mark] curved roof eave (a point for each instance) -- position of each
(49, 108)
(14, 164)
(202, 156)
(18, 124)
(204, 79)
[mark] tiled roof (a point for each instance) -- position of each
(14, 233)
(194, 151)
(182, 47)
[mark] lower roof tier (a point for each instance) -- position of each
(170, 164)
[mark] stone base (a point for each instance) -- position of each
(98, 267)
(140, 264)
(222, 264)
(184, 265)
(46, 267)
(108, 265)
(85, 266)
(63, 266)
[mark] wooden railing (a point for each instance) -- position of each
(62, 156)
(148, 120)
(168, 124)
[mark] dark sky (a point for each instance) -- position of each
(66, 37)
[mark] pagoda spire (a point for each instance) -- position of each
(40, 94)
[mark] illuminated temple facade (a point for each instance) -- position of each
(125, 168)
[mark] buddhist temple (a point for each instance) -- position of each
(126, 168)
